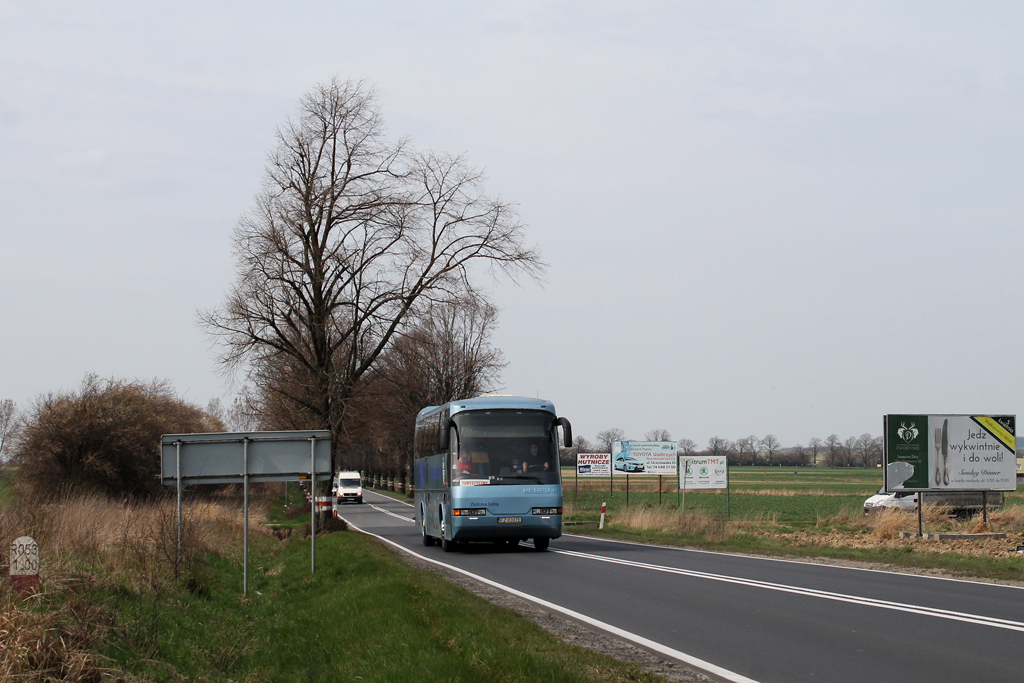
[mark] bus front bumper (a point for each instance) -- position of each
(488, 528)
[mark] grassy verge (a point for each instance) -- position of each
(116, 605)
(364, 615)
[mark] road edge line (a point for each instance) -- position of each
(696, 662)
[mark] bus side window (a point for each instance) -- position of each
(453, 451)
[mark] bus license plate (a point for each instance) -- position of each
(510, 520)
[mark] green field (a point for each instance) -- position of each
(780, 494)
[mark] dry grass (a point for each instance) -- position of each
(87, 545)
(672, 522)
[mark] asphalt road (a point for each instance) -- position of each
(758, 619)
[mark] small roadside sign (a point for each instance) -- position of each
(24, 564)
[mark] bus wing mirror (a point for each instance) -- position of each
(445, 431)
(566, 430)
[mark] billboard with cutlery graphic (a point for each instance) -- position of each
(703, 472)
(950, 452)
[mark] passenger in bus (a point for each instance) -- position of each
(464, 466)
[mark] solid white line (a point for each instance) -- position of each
(639, 640)
(388, 512)
(801, 562)
(393, 500)
(811, 592)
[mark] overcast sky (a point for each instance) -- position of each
(786, 218)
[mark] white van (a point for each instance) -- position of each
(348, 488)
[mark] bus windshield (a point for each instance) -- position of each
(505, 447)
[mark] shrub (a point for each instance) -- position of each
(103, 438)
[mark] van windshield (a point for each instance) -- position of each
(505, 447)
(348, 483)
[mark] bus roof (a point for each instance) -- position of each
(494, 403)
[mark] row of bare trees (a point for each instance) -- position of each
(856, 451)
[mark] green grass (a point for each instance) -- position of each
(365, 615)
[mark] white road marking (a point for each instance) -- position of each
(810, 592)
(388, 512)
(803, 562)
(393, 500)
(713, 669)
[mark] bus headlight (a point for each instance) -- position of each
(547, 511)
(470, 512)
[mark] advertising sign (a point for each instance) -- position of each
(950, 452)
(594, 464)
(644, 457)
(703, 473)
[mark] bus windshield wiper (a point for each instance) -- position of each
(522, 476)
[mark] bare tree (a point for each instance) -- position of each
(833, 450)
(581, 444)
(746, 450)
(8, 424)
(770, 445)
(350, 238)
(813, 448)
(850, 452)
(658, 435)
(446, 357)
(719, 447)
(863, 447)
(686, 446)
(798, 455)
(606, 438)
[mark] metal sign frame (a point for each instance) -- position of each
(241, 457)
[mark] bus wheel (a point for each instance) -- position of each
(541, 543)
(448, 546)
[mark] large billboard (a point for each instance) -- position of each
(950, 452)
(703, 472)
(593, 464)
(644, 457)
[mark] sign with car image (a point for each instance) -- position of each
(644, 457)
(950, 452)
(703, 473)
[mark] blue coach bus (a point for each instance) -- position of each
(486, 469)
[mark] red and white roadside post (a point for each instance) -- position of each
(604, 507)
(24, 565)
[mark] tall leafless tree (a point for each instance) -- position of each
(350, 238)
(581, 445)
(770, 445)
(606, 438)
(746, 450)
(833, 450)
(658, 435)
(445, 357)
(813, 448)
(862, 447)
(719, 447)
(686, 446)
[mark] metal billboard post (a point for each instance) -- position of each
(312, 503)
(177, 467)
(241, 458)
(245, 524)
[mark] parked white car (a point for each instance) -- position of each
(629, 464)
(899, 500)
